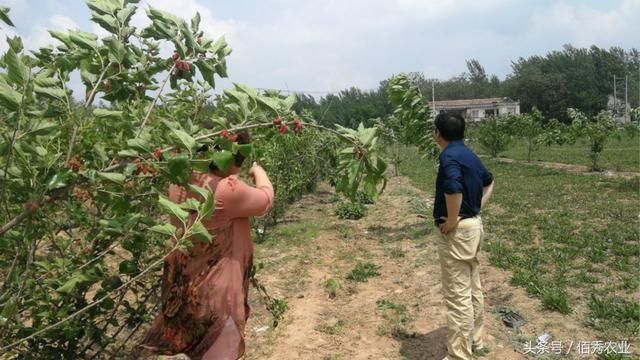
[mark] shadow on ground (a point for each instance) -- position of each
(430, 346)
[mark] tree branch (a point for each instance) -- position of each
(93, 304)
(19, 218)
(153, 104)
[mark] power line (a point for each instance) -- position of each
(312, 91)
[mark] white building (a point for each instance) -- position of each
(477, 109)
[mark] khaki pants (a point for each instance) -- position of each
(458, 252)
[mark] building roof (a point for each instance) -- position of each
(465, 103)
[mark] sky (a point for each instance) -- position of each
(330, 45)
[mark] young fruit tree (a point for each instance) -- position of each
(494, 135)
(528, 127)
(412, 121)
(596, 130)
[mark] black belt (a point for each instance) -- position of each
(439, 221)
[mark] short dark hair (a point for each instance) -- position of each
(243, 139)
(238, 158)
(450, 125)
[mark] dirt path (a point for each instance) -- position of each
(573, 168)
(399, 314)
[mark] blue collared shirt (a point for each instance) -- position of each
(460, 171)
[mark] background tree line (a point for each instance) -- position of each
(580, 78)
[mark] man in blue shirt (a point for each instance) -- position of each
(463, 187)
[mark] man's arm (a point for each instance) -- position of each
(487, 191)
(454, 202)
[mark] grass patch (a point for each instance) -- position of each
(396, 317)
(363, 198)
(334, 329)
(396, 253)
(331, 286)
(614, 312)
(618, 155)
(293, 233)
(363, 271)
(351, 210)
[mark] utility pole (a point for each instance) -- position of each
(615, 99)
(626, 99)
(433, 95)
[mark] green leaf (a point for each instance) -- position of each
(50, 92)
(187, 140)
(45, 80)
(117, 51)
(195, 22)
(41, 151)
(17, 71)
(180, 48)
(201, 165)
(190, 204)
(107, 22)
(9, 98)
(201, 232)
(188, 37)
(62, 37)
(99, 150)
(220, 44)
(207, 70)
(87, 77)
(366, 135)
(15, 44)
(42, 128)
(223, 160)
(381, 166)
(104, 7)
(4, 15)
(208, 206)
(141, 144)
(289, 101)
(102, 113)
(128, 153)
(59, 179)
(83, 39)
(124, 15)
(9, 310)
(245, 149)
(172, 208)
(113, 177)
(197, 189)
(69, 286)
(179, 170)
(128, 267)
(242, 99)
(163, 17)
(165, 229)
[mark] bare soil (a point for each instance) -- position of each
(573, 168)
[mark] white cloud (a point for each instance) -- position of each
(40, 36)
(583, 26)
(186, 9)
(332, 44)
(18, 7)
(438, 9)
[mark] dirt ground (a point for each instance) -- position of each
(572, 168)
(351, 325)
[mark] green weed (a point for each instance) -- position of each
(363, 271)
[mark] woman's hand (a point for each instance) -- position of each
(255, 167)
(260, 177)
